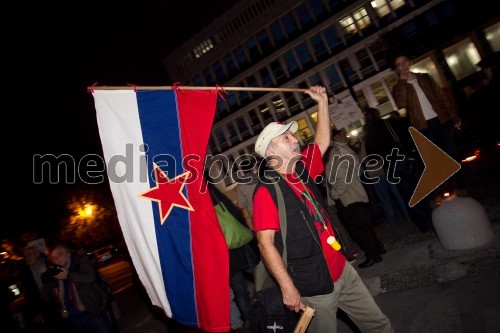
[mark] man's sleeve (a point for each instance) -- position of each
(445, 99)
(337, 178)
(265, 212)
(400, 95)
(241, 197)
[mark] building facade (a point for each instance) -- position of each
(344, 45)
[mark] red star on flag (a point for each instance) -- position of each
(168, 192)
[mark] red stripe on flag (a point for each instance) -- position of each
(209, 249)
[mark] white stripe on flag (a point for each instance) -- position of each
(119, 126)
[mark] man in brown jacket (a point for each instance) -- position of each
(427, 107)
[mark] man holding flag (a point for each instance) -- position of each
(316, 273)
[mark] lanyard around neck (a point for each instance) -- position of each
(305, 193)
(330, 239)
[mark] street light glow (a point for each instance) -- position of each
(86, 211)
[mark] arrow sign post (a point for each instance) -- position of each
(439, 166)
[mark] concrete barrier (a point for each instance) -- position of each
(462, 223)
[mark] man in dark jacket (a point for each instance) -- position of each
(75, 288)
(31, 270)
(381, 136)
(428, 108)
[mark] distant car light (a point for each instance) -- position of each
(469, 159)
(103, 254)
(15, 289)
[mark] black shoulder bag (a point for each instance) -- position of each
(267, 311)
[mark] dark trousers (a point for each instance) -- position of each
(442, 136)
(421, 213)
(345, 239)
(241, 293)
(357, 220)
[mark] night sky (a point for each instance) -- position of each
(62, 48)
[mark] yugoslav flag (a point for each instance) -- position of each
(154, 145)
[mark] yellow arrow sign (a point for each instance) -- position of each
(439, 166)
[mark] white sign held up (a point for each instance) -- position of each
(344, 111)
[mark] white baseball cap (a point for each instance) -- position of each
(271, 131)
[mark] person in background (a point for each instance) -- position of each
(487, 99)
(8, 277)
(349, 248)
(316, 273)
(378, 142)
(35, 264)
(429, 109)
(427, 106)
(244, 191)
(409, 170)
(242, 261)
(346, 189)
(74, 288)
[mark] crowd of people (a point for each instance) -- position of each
(63, 292)
(317, 273)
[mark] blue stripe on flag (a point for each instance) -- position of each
(160, 129)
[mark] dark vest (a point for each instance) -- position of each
(306, 263)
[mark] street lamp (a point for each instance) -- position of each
(86, 211)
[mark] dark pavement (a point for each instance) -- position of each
(421, 286)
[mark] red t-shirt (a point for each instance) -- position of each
(266, 215)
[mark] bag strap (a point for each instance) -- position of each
(213, 193)
(282, 214)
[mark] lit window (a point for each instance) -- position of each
(347, 23)
(462, 58)
(428, 66)
(360, 17)
(381, 7)
(203, 47)
(278, 104)
(303, 130)
(493, 36)
(395, 4)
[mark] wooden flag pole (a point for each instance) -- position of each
(304, 320)
(220, 88)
